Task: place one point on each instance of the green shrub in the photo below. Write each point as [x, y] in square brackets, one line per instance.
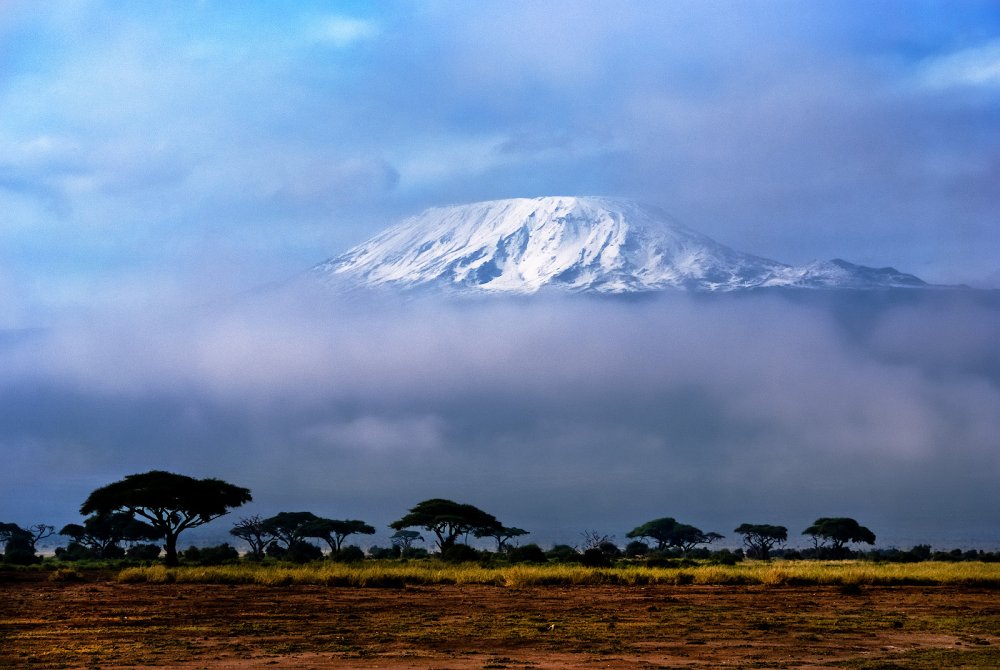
[349, 554]
[75, 551]
[217, 555]
[563, 553]
[595, 558]
[415, 552]
[297, 552]
[635, 548]
[725, 557]
[143, 552]
[529, 553]
[385, 552]
[460, 553]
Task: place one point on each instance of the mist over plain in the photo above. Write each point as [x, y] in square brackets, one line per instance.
[558, 414]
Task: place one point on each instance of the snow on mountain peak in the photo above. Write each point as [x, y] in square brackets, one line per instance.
[598, 244]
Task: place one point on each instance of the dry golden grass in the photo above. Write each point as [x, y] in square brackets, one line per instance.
[397, 574]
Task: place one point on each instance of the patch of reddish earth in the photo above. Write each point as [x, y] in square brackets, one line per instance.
[105, 624]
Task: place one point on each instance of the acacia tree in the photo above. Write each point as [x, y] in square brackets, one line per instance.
[19, 543]
[169, 502]
[502, 534]
[447, 520]
[760, 538]
[404, 539]
[834, 533]
[289, 528]
[335, 531]
[670, 534]
[252, 531]
[101, 533]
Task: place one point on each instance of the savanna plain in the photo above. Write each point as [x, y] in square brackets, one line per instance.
[426, 614]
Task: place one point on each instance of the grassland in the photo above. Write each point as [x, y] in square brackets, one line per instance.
[431, 572]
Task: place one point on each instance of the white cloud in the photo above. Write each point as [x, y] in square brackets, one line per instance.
[343, 31]
[373, 434]
[975, 67]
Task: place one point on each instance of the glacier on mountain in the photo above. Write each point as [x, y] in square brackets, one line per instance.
[577, 244]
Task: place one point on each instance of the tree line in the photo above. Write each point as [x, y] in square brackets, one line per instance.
[128, 518]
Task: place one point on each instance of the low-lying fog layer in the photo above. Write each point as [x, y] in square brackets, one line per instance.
[556, 414]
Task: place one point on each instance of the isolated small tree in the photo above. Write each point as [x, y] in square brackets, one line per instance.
[593, 539]
[101, 534]
[834, 533]
[335, 531]
[252, 531]
[668, 533]
[169, 502]
[596, 543]
[502, 534]
[404, 539]
[760, 538]
[19, 543]
[447, 520]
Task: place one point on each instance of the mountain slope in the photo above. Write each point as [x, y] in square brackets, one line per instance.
[575, 244]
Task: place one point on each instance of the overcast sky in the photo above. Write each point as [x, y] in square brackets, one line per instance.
[146, 148]
[157, 159]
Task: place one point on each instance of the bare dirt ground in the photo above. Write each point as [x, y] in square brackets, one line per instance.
[101, 623]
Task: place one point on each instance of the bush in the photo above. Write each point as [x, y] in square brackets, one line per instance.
[385, 552]
[415, 552]
[726, 557]
[75, 551]
[297, 552]
[217, 555]
[349, 554]
[610, 550]
[65, 575]
[20, 556]
[563, 553]
[143, 552]
[833, 553]
[635, 548]
[20, 548]
[595, 558]
[529, 553]
[668, 559]
[460, 553]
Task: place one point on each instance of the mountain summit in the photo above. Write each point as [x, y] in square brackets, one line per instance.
[580, 244]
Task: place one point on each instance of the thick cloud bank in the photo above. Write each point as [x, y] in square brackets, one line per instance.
[556, 414]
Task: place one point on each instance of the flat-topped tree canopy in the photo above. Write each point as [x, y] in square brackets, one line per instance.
[760, 538]
[837, 532]
[289, 527]
[169, 502]
[671, 534]
[447, 520]
[335, 531]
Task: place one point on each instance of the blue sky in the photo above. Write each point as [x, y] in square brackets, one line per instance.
[158, 159]
[148, 148]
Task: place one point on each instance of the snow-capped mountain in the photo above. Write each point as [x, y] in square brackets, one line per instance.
[580, 244]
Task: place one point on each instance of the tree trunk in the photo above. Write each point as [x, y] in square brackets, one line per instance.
[170, 545]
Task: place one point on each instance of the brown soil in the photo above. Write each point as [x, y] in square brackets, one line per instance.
[101, 623]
